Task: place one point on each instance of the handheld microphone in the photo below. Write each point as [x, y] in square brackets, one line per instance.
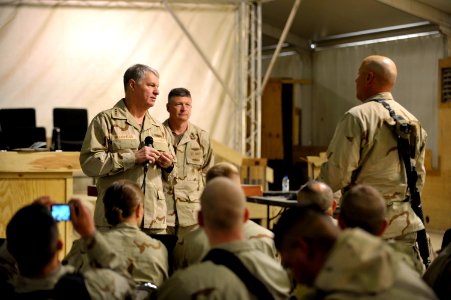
[148, 141]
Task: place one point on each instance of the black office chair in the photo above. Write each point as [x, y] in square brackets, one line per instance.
[72, 124]
[18, 128]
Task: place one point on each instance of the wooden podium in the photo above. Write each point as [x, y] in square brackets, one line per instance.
[25, 176]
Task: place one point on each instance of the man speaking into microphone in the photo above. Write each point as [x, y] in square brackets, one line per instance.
[125, 142]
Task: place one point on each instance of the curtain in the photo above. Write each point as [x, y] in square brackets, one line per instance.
[69, 56]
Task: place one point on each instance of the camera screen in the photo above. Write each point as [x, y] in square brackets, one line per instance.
[61, 212]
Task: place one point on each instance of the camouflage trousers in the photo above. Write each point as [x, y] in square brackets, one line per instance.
[407, 244]
[181, 231]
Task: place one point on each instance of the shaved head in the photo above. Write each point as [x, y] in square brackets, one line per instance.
[304, 236]
[377, 74]
[383, 67]
[317, 192]
[364, 207]
[224, 169]
[223, 204]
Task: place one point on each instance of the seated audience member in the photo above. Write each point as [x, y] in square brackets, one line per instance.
[342, 265]
[222, 216]
[364, 207]
[438, 275]
[33, 241]
[224, 169]
[8, 266]
[320, 193]
[8, 271]
[192, 247]
[147, 258]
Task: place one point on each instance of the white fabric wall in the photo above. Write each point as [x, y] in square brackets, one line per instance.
[335, 70]
[76, 56]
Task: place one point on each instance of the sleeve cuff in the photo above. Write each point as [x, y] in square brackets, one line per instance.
[169, 169]
[128, 160]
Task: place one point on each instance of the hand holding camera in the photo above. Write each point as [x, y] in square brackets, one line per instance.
[73, 211]
[81, 219]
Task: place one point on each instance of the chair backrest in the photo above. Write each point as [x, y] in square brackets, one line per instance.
[18, 128]
[73, 124]
[22, 137]
[17, 118]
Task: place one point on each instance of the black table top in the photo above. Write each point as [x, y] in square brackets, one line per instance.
[272, 200]
[290, 195]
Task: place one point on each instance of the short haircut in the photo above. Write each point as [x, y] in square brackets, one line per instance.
[306, 221]
[383, 67]
[223, 204]
[178, 92]
[222, 169]
[120, 200]
[363, 207]
[137, 73]
[32, 237]
[317, 192]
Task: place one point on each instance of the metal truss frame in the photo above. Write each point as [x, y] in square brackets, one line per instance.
[248, 67]
[248, 74]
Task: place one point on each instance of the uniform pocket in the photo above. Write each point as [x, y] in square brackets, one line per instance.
[194, 154]
[120, 144]
[161, 145]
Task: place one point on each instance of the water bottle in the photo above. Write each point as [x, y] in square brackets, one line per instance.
[285, 184]
[56, 139]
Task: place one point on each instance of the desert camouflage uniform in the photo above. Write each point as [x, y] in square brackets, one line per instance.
[364, 150]
[146, 258]
[207, 276]
[361, 266]
[8, 266]
[262, 238]
[108, 154]
[204, 281]
[193, 246]
[194, 156]
[107, 283]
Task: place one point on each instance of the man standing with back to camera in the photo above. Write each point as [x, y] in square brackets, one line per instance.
[194, 156]
[364, 150]
[115, 147]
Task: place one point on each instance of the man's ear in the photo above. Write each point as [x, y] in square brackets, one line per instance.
[200, 218]
[138, 209]
[59, 244]
[131, 84]
[369, 77]
[167, 107]
[246, 215]
[383, 227]
[334, 205]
